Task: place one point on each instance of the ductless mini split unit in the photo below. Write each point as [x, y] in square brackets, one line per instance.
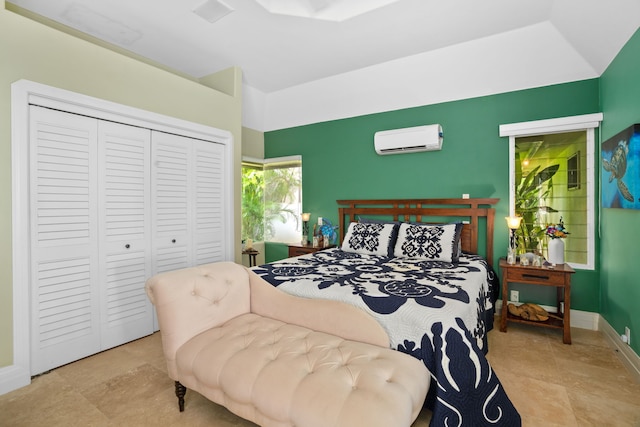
[408, 140]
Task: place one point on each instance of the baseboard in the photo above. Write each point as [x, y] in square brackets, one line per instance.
[579, 319]
[12, 378]
[626, 354]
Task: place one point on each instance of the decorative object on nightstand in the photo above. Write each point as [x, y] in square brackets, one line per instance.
[316, 236]
[513, 222]
[556, 245]
[305, 228]
[328, 232]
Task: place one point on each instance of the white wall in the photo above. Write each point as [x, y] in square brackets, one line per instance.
[472, 69]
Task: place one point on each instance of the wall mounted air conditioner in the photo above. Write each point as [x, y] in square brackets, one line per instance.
[408, 140]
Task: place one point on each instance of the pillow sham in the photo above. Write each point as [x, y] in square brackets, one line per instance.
[370, 238]
[439, 242]
[394, 233]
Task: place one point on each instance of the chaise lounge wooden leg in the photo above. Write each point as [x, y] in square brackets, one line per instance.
[180, 392]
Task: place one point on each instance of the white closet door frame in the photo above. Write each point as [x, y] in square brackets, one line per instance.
[25, 93]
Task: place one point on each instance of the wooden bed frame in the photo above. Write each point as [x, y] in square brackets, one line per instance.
[468, 211]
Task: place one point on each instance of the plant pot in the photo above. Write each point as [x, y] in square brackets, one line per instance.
[556, 251]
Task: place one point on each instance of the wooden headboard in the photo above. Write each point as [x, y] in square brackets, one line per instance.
[469, 211]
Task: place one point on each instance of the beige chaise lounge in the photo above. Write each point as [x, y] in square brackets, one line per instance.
[280, 360]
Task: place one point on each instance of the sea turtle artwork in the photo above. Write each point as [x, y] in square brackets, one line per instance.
[617, 165]
[328, 230]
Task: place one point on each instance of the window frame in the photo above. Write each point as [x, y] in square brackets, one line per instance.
[588, 123]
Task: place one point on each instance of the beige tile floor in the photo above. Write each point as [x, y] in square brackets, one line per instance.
[551, 384]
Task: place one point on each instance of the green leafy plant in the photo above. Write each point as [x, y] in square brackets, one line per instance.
[530, 189]
[264, 192]
[280, 188]
[252, 204]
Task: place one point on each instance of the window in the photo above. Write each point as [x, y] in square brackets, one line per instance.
[272, 199]
[573, 172]
[552, 178]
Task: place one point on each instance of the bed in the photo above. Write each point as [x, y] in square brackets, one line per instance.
[423, 269]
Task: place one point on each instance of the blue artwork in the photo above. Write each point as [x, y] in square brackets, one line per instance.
[328, 230]
[621, 170]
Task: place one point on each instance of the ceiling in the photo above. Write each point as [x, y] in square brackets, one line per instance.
[276, 52]
[402, 54]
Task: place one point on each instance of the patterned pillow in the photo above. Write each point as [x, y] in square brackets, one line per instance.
[369, 238]
[430, 242]
[394, 233]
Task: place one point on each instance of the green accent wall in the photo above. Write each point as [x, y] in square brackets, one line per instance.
[275, 251]
[339, 160]
[620, 251]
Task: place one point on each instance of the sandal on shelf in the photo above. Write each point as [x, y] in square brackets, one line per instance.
[529, 311]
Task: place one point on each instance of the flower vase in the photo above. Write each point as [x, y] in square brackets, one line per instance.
[556, 251]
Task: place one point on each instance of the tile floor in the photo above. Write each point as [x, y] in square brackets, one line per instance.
[551, 384]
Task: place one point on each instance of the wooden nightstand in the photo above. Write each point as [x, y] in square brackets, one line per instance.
[297, 250]
[558, 276]
[253, 254]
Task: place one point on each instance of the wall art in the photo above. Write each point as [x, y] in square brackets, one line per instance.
[621, 169]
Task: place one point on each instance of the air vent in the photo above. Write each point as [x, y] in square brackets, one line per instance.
[212, 10]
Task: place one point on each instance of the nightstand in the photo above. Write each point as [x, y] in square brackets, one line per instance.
[558, 276]
[297, 250]
[252, 256]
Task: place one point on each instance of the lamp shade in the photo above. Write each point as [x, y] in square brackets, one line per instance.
[513, 222]
[306, 216]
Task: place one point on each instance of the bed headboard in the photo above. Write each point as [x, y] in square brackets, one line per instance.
[469, 211]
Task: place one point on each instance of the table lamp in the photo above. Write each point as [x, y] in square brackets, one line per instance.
[513, 222]
[305, 228]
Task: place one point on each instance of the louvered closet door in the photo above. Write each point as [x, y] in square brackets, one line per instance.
[171, 205]
[209, 197]
[64, 243]
[125, 232]
[188, 200]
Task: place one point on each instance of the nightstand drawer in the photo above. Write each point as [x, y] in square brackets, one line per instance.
[537, 276]
[297, 250]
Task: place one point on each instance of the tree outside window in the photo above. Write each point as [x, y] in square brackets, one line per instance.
[272, 201]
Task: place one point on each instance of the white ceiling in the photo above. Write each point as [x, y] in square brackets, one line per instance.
[281, 54]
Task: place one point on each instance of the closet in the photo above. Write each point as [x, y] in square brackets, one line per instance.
[110, 205]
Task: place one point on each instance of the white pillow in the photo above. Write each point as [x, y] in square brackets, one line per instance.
[439, 242]
[369, 238]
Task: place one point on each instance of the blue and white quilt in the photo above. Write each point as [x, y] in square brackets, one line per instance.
[438, 312]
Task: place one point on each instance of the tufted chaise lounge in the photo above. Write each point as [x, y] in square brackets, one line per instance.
[280, 360]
